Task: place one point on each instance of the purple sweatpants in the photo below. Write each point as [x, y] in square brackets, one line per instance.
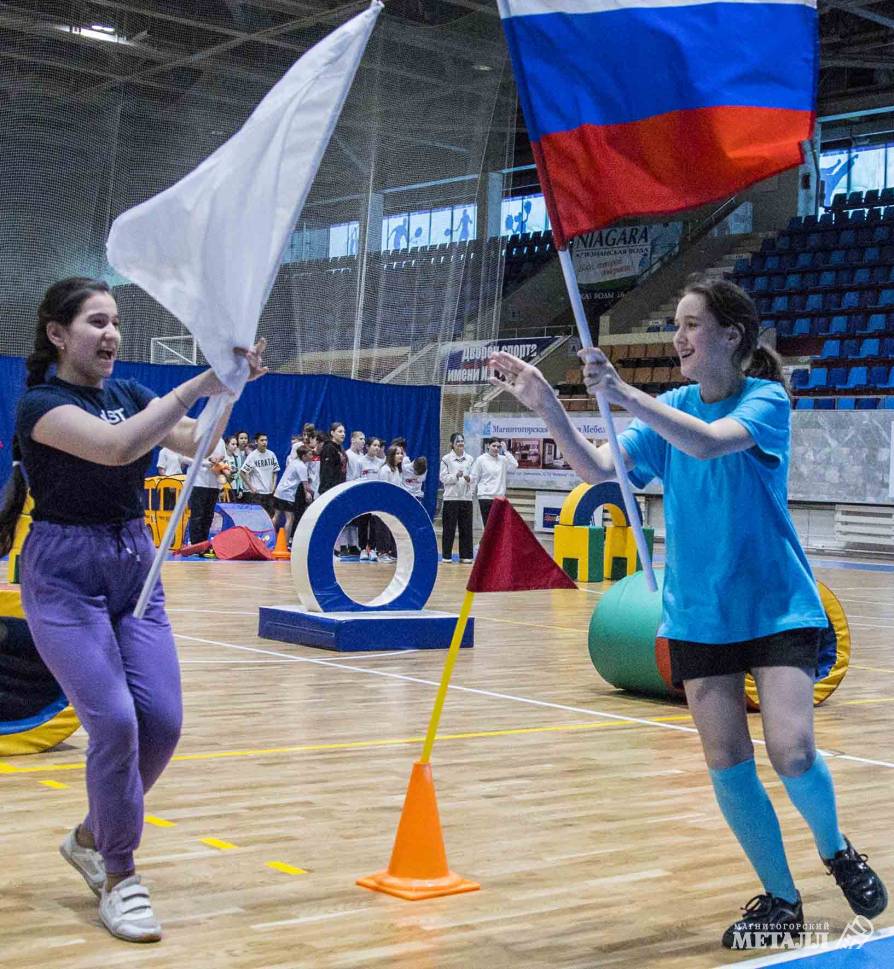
[80, 584]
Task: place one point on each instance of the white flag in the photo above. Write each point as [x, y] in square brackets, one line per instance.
[208, 248]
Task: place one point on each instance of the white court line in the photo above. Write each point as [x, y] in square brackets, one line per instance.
[813, 950]
[260, 926]
[509, 696]
[871, 625]
[215, 612]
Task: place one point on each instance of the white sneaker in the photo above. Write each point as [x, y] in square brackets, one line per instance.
[364, 556]
[386, 558]
[87, 861]
[127, 912]
[374, 556]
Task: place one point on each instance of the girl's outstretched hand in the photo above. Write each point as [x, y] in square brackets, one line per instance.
[600, 376]
[526, 383]
[254, 358]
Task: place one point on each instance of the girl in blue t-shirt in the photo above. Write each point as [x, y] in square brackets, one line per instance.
[86, 442]
[738, 592]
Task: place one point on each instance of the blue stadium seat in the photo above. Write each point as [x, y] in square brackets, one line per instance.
[783, 242]
[861, 276]
[794, 223]
[850, 300]
[800, 377]
[759, 284]
[838, 324]
[858, 217]
[805, 260]
[854, 199]
[827, 278]
[878, 376]
[837, 257]
[810, 221]
[881, 233]
[783, 326]
[871, 197]
[871, 254]
[887, 196]
[824, 219]
[869, 349]
[846, 403]
[888, 381]
[847, 238]
[742, 266]
[874, 215]
[888, 344]
[802, 326]
[819, 377]
[867, 403]
[887, 403]
[771, 261]
[779, 304]
[876, 323]
[886, 298]
[837, 376]
[857, 379]
[815, 301]
[850, 348]
[820, 325]
[839, 200]
[805, 403]
[831, 350]
[825, 403]
[793, 281]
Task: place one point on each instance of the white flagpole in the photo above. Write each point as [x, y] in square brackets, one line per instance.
[586, 341]
[213, 410]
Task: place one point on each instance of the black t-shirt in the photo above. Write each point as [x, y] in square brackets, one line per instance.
[333, 466]
[71, 490]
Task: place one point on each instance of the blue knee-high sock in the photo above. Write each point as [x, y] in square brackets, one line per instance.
[813, 795]
[749, 812]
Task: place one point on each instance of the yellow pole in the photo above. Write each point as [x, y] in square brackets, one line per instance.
[452, 653]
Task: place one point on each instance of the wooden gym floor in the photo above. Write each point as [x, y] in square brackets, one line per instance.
[585, 813]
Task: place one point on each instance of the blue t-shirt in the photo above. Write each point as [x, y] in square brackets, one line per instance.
[66, 488]
[735, 567]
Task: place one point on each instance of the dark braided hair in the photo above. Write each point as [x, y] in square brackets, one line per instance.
[730, 305]
[61, 303]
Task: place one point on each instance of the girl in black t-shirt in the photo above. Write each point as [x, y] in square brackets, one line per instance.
[84, 563]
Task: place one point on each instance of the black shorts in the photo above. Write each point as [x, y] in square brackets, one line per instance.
[280, 504]
[793, 647]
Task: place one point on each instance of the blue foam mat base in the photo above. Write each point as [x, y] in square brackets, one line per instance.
[355, 632]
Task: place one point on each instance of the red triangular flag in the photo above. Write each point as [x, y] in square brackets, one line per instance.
[510, 559]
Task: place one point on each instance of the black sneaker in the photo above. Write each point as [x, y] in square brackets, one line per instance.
[862, 888]
[769, 922]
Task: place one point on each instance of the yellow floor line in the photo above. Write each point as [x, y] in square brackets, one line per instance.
[285, 869]
[55, 785]
[6, 768]
[217, 843]
[877, 699]
[158, 822]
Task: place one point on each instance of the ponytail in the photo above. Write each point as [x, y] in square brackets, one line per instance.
[41, 358]
[13, 503]
[765, 364]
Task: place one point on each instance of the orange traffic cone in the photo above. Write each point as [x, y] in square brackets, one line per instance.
[418, 866]
[282, 546]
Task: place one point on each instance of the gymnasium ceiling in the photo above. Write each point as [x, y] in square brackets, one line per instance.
[162, 50]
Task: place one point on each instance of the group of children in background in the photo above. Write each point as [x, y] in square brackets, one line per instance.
[317, 461]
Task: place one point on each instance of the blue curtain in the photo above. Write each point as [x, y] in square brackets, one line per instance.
[279, 404]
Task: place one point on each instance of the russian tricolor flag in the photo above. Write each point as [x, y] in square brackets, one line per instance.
[641, 107]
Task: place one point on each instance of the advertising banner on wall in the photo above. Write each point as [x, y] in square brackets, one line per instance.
[541, 464]
[467, 362]
[609, 261]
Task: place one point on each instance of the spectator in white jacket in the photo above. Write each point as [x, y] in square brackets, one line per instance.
[489, 475]
[456, 477]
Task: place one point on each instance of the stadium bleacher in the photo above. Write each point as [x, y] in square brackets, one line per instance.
[826, 285]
